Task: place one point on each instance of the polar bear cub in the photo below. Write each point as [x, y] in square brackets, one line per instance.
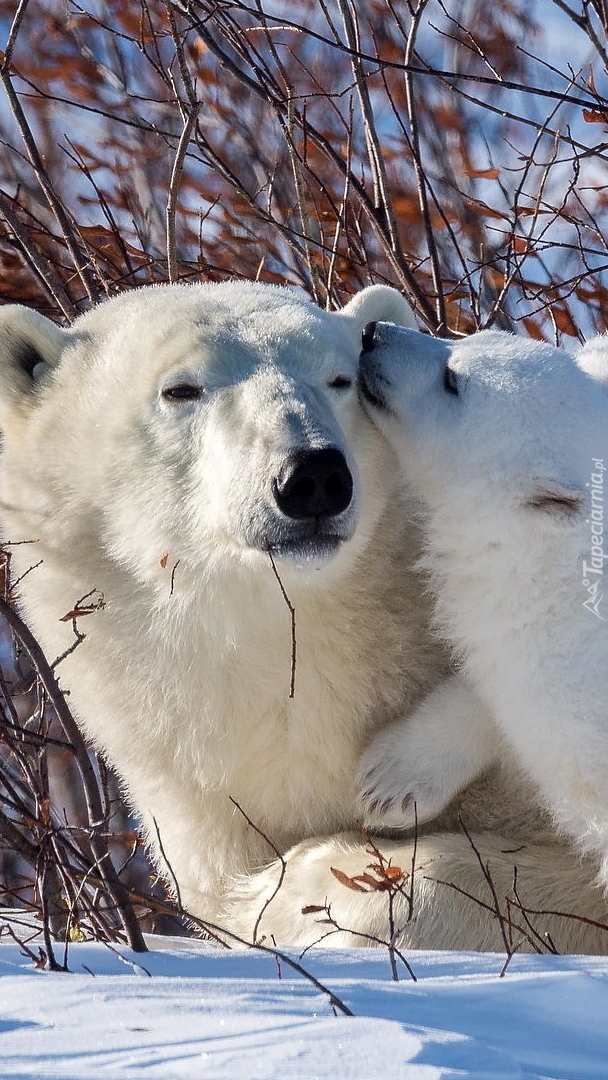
[505, 442]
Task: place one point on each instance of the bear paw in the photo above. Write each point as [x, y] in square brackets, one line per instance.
[395, 790]
[393, 802]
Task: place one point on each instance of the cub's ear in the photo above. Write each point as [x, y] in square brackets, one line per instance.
[379, 303]
[29, 346]
[593, 359]
[557, 499]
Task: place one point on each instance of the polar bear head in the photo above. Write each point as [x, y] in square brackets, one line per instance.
[505, 443]
[491, 429]
[201, 423]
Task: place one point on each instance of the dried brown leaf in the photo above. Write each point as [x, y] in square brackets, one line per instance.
[593, 117]
[483, 174]
[344, 879]
[77, 613]
[394, 873]
[563, 320]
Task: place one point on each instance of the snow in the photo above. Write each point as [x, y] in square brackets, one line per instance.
[197, 1012]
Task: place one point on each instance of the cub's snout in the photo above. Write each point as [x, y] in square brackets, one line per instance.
[373, 382]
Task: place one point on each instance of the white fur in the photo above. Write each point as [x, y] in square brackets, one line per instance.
[166, 509]
[505, 469]
[411, 770]
[183, 678]
[453, 904]
[592, 358]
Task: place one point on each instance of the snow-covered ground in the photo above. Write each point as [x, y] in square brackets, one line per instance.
[198, 1012]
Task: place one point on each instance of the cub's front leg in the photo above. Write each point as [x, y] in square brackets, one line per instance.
[412, 769]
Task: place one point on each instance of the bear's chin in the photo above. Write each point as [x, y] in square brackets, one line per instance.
[311, 553]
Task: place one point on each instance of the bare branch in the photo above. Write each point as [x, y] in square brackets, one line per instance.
[80, 260]
[91, 791]
[174, 186]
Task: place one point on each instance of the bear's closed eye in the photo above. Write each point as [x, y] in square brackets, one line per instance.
[555, 502]
[182, 392]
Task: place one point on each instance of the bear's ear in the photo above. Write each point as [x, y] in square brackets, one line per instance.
[557, 499]
[379, 303]
[30, 345]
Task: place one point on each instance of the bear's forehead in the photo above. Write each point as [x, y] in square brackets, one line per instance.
[224, 325]
[228, 304]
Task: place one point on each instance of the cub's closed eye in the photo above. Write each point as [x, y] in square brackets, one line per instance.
[450, 381]
[341, 382]
[182, 392]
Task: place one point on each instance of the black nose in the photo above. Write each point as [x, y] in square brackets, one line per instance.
[318, 483]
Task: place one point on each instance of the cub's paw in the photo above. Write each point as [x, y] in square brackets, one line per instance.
[396, 792]
[390, 804]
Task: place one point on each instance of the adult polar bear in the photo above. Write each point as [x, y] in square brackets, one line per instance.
[156, 451]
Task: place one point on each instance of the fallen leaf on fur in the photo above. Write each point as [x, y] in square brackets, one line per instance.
[368, 879]
[76, 613]
[163, 561]
[393, 872]
[344, 879]
[313, 909]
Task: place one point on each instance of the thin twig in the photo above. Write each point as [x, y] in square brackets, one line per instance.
[292, 613]
[422, 180]
[382, 198]
[174, 186]
[373, 939]
[278, 855]
[485, 869]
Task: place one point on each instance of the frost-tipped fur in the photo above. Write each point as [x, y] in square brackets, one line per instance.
[506, 444]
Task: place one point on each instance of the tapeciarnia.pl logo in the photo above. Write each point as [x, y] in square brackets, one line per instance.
[593, 571]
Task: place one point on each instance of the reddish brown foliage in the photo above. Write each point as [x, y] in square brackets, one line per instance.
[324, 146]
